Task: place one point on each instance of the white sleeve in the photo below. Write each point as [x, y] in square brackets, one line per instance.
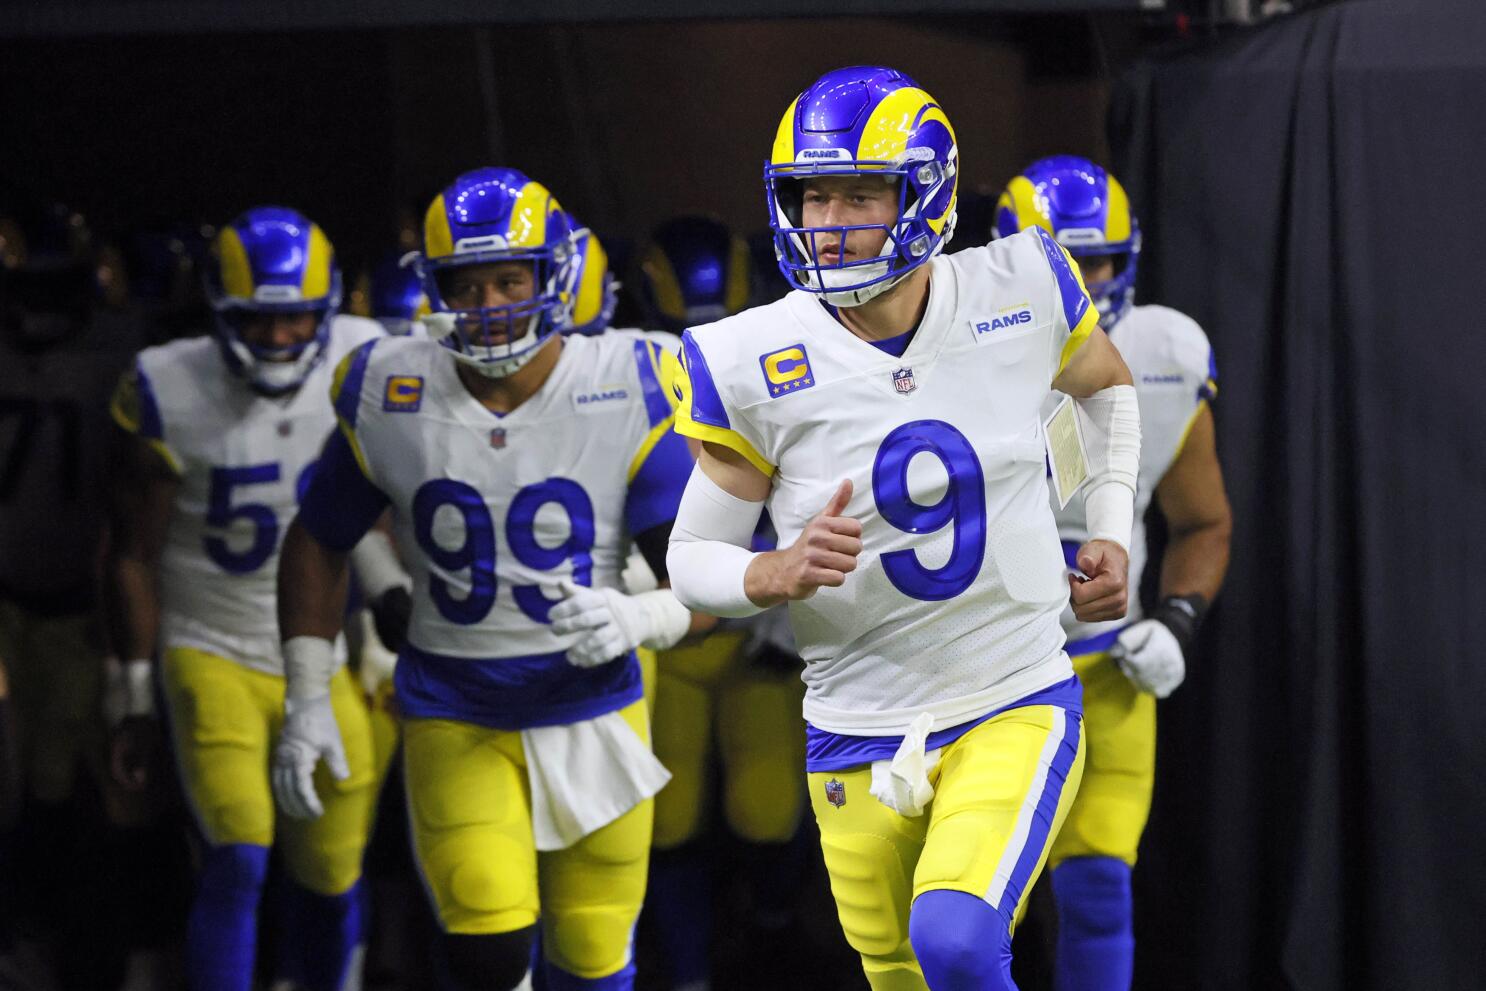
[1111, 425]
[709, 552]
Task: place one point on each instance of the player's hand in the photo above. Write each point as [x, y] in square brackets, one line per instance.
[823, 555]
[391, 614]
[1151, 657]
[1105, 594]
[310, 735]
[133, 747]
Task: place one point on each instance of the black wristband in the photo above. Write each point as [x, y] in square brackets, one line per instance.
[1182, 615]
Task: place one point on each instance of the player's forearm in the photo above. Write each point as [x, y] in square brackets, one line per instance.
[761, 582]
[134, 607]
[1196, 559]
[312, 587]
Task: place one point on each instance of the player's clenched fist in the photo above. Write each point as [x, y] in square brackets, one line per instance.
[1105, 594]
[824, 554]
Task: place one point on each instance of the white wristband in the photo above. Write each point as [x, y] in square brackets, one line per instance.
[377, 567]
[709, 554]
[1109, 513]
[129, 690]
[665, 617]
[309, 664]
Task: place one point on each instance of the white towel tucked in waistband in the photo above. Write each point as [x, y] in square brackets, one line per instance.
[902, 784]
[585, 775]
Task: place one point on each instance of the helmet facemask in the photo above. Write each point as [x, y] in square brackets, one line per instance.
[910, 240]
[272, 371]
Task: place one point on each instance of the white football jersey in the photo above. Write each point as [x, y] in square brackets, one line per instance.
[53, 436]
[953, 608]
[491, 511]
[244, 461]
[1175, 374]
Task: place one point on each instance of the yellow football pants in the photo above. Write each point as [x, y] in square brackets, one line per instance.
[985, 832]
[224, 719]
[469, 801]
[1114, 801]
[759, 734]
[55, 665]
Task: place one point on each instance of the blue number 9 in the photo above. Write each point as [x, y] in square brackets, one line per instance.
[963, 505]
[477, 552]
[521, 537]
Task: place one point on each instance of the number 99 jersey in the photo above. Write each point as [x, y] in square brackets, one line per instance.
[492, 510]
[953, 608]
[244, 461]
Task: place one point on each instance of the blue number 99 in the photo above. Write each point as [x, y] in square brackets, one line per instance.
[963, 505]
[477, 552]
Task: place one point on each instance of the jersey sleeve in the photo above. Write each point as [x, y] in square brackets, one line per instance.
[1076, 316]
[345, 398]
[1196, 357]
[341, 504]
[135, 409]
[662, 463]
[703, 411]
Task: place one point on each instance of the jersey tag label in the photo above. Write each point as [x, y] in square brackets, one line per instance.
[786, 370]
[1067, 462]
[404, 394]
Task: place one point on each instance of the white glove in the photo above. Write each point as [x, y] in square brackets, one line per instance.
[610, 624]
[309, 736]
[1150, 656]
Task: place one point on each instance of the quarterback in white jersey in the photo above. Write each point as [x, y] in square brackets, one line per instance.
[226, 431]
[887, 412]
[1126, 665]
[520, 467]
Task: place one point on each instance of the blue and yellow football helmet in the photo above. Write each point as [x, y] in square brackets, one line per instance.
[496, 215]
[269, 260]
[595, 289]
[1086, 210]
[864, 120]
[694, 271]
[396, 295]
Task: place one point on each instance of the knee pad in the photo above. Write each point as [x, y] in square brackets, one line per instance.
[488, 961]
[1093, 897]
[961, 942]
[873, 918]
[239, 823]
[477, 880]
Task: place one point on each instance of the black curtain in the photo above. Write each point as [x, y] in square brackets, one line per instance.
[1313, 193]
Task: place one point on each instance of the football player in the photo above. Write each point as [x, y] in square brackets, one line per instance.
[225, 433]
[887, 412]
[1126, 665]
[520, 465]
[735, 696]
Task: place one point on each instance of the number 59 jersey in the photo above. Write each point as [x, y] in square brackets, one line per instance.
[243, 461]
[491, 511]
[953, 607]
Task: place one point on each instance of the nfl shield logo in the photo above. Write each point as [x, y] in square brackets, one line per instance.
[835, 793]
[498, 438]
[903, 381]
[286, 427]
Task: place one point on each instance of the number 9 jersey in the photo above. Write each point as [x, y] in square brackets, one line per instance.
[244, 461]
[954, 606]
[491, 511]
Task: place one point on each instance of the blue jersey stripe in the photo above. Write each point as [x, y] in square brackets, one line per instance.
[150, 424]
[1093, 645]
[654, 493]
[1075, 300]
[706, 403]
[348, 399]
[656, 404]
[512, 693]
[825, 751]
[1042, 819]
[341, 504]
